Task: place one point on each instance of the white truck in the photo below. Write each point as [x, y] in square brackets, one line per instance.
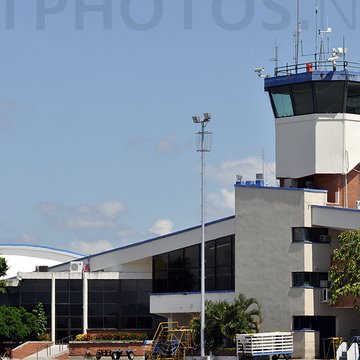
[274, 344]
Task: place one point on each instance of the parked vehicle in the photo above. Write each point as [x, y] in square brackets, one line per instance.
[274, 344]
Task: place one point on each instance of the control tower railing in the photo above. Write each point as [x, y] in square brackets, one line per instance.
[316, 66]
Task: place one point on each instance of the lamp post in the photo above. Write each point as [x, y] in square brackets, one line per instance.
[204, 145]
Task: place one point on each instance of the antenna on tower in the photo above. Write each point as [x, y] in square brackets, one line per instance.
[298, 33]
[323, 34]
[316, 31]
[263, 164]
[276, 54]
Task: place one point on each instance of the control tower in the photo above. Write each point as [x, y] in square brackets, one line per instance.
[317, 122]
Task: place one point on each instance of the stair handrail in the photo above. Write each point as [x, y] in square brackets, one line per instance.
[61, 342]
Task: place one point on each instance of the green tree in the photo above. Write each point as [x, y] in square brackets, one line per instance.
[16, 323]
[345, 269]
[224, 320]
[3, 270]
[40, 325]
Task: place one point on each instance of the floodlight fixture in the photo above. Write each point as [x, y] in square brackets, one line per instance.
[207, 116]
[196, 119]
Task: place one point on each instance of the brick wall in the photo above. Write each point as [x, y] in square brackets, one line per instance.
[79, 348]
[29, 348]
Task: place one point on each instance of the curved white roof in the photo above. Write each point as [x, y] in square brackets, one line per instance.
[25, 258]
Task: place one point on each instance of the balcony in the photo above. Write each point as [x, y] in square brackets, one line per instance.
[335, 218]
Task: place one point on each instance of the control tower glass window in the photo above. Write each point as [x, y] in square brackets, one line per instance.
[329, 96]
[353, 98]
[281, 99]
[303, 98]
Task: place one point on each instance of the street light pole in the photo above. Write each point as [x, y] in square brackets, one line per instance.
[203, 147]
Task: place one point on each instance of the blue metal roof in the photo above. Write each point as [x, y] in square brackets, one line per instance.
[279, 188]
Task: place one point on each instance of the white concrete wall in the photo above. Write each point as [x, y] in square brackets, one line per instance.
[295, 146]
[336, 218]
[266, 258]
[352, 131]
[265, 255]
[184, 303]
[316, 143]
[306, 344]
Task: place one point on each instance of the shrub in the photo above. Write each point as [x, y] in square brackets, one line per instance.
[112, 336]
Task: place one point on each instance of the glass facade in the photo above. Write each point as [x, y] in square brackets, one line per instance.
[179, 270]
[307, 234]
[112, 304]
[310, 279]
[315, 97]
[120, 304]
[69, 307]
[353, 98]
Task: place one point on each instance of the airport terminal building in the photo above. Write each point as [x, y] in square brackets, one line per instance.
[276, 248]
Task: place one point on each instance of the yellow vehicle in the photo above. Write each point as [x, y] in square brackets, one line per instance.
[170, 342]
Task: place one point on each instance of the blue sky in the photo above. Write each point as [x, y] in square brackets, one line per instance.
[97, 144]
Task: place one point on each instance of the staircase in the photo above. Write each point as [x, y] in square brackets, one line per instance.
[29, 348]
[38, 350]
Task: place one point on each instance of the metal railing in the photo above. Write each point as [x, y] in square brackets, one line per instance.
[316, 66]
[63, 342]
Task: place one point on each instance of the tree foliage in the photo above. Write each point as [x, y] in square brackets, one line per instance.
[3, 270]
[345, 269]
[18, 324]
[40, 325]
[224, 320]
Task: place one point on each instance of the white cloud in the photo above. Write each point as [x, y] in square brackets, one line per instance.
[88, 248]
[162, 227]
[83, 223]
[226, 172]
[83, 217]
[111, 209]
[222, 202]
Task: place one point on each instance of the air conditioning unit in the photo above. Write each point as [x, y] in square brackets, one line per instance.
[324, 284]
[76, 266]
[42, 268]
[325, 295]
[325, 238]
[357, 204]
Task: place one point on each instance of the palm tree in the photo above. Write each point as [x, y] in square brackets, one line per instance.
[224, 320]
[244, 317]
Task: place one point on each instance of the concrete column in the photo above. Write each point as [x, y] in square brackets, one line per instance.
[53, 317]
[85, 301]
